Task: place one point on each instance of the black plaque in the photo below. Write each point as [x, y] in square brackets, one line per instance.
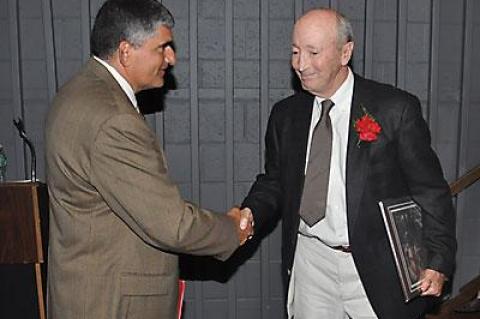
[403, 222]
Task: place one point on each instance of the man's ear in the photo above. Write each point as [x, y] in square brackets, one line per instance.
[347, 51]
[124, 53]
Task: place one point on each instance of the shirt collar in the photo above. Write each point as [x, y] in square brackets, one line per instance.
[343, 94]
[121, 81]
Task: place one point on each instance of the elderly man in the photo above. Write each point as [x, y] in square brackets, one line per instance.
[333, 151]
[117, 220]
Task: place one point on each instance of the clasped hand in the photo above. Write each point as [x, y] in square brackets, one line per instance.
[243, 220]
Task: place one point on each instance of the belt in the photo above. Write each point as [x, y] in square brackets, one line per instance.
[345, 249]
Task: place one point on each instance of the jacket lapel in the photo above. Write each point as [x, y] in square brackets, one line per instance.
[299, 137]
[301, 127]
[357, 155]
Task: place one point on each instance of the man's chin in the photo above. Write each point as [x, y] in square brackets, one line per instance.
[312, 91]
[157, 85]
[306, 87]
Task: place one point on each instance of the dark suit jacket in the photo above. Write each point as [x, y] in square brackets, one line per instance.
[116, 218]
[399, 163]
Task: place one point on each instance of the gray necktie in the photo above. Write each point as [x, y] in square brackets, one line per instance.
[315, 189]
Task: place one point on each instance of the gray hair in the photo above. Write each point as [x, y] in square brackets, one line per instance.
[133, 21]
[344, 29]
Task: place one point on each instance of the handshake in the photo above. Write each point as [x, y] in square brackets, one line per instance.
[243, 220]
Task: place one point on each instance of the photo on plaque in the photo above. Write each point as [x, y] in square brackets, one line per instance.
[403, 223]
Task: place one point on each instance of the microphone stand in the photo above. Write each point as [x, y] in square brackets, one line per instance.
[21, 131]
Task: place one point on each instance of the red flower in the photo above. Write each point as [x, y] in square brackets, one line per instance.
[367, 128]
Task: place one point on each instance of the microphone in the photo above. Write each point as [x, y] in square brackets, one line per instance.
[21, 131]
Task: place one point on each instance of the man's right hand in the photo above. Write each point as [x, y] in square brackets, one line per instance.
[243, 220]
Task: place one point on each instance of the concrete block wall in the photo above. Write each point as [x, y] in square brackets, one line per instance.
[233, 65]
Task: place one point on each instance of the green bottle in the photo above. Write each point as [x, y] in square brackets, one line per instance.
[3, 164]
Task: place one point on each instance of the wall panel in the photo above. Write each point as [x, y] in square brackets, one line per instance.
[232, 66]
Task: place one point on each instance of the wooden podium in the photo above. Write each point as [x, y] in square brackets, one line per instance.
[24, 231]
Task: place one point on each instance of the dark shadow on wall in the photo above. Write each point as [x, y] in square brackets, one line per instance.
[153, 100]
[196, 268]
[294, 81]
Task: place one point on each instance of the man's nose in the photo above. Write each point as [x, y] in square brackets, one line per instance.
[302, 62]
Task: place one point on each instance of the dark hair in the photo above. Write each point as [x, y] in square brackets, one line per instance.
[133, 21]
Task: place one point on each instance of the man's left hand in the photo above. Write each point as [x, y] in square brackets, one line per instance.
[432, 283]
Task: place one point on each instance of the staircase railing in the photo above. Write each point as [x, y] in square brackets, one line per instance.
[466, 180]
[469, 290]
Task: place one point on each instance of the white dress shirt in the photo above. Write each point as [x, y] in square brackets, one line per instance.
[126, 87]
[333, 229]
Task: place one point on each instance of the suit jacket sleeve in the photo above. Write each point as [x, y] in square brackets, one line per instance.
[264, 197]
[129, 171]
[428, 188]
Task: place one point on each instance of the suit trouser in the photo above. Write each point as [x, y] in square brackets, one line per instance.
[325, 284]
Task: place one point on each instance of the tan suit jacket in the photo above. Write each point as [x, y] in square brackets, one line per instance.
[116, 220]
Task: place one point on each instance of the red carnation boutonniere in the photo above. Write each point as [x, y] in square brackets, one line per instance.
[367, 128]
